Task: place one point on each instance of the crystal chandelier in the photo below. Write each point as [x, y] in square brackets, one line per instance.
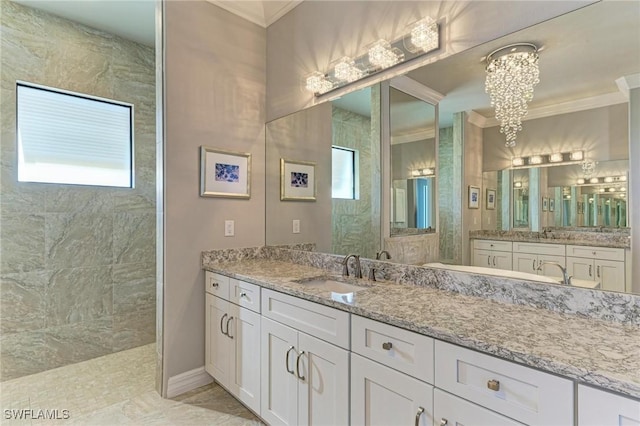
[512, 73]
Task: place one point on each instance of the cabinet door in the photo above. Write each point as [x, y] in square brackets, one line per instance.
[610, 274]
[217, 344]
[450, 410]
[245, 359]
[323, 387]
[502, 260]
[581, 268]
[550, 270]
[279, 385]
[525, 262]
[382, 396]
[482, 258]
[598, 408]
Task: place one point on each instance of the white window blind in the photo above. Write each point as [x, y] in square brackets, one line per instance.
[71, 138]
[343, 173]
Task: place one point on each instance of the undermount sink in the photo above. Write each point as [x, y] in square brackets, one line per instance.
[331, 285]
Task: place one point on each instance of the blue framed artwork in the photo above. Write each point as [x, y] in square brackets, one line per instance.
[224, 173]
[474, 197]
[297, 180]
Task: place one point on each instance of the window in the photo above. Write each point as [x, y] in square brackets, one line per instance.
[344, 176]
[70, 138]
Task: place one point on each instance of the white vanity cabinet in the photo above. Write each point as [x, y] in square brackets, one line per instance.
[391, 375]
[492, 254]
[521, 393]
[602, 264]
[528, 257]
[601, 408]
[305, 379]
[232, 338]
[449, 410]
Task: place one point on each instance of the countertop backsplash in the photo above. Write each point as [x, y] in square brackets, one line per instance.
[614, 239]
[618, 307]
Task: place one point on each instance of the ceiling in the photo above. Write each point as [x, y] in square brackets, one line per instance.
[135, 19]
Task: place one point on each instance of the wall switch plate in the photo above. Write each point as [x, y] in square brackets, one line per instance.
[229, 228]
[296, 226]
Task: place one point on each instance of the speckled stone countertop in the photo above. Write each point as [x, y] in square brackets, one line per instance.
[592, 351]
[578, 238]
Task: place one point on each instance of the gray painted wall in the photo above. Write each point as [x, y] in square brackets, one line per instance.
[316, 33]
[634, 183]
[215, 95]
[472, 175]
[77, 262]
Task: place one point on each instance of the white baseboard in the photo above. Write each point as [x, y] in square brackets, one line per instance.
[187, 381]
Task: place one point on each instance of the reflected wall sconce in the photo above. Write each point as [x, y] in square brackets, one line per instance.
[512, 73]
[517, 184]
[606, 180]
[546, 160]
[424, 172]
[421, 37]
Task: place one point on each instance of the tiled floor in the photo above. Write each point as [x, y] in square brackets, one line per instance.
[116, 389]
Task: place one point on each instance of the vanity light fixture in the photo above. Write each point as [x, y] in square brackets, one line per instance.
[512, 73]
[606, 181]
[601, 190]
[580, 181]
[556, 157]
[622, 178]
[518, 161]
[535, 159]
[422, 37]
[612, 190]
[544, 160]
[594, 180]
[423, 172]
[517, 184]
[577, 155]
[623, 189]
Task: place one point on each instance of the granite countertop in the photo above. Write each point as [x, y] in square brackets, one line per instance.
[592, 351]
[594, 239]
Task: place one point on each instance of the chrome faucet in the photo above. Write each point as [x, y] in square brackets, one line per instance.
[565, 276]
[379, 255]
[345, 266]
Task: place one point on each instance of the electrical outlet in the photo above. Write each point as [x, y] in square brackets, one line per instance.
[229, 228]
[296, 226]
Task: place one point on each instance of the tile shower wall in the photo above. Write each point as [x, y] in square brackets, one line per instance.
[77, 263]
[356, 223]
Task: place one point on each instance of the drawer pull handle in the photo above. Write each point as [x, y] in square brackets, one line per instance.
[214, 284]
[387, 346]
[228, 321]
[494, 385]
[286, 360]
[444, 422]
[590, 268]
[243, 294]
[221, 321]
[598, 269]
[298, 366]
[418, 414]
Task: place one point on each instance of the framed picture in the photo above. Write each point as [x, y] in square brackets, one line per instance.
[552, 204]
[491, 199]
[545, 204]
[474, 197]
[224, 173]
[297, 180]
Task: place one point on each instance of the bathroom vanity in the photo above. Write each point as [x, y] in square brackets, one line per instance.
[410, 350]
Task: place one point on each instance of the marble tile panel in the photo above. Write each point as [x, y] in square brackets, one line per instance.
[134, 287]
[134, 237]
[22, 242]
[78, 199]
[134, 329]
[142, 197]
[78, 240]
[23, 301]
[71, 343]
[79, 295]
[23, 354]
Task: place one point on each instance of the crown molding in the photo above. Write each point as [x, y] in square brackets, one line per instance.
[412, 137]
[477, 119]
[415, 89]
[628, 82]
[262, 13]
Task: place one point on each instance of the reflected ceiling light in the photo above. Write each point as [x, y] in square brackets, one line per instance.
[512, 73]
[518, 161]
[556, 157]
[346, 70]
[577, 155]
[423, 36]
[318, 83]
[580, 181]
[535, 159]
[382, 55]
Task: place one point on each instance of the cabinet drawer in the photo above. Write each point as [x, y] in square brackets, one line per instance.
[451, 410]
[217, 284]
[519, 392]
[539, 248]
[492, 245]
[245, 294]
[601, 253]
[400, 349]
[323, 322]
[597, 407]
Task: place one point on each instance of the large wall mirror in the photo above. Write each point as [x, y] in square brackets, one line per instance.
[579, 105]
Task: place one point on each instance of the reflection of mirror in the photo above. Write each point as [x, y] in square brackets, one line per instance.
[413, 163]
[520, 198]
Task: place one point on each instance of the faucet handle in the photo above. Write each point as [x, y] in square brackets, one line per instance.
[372, 274]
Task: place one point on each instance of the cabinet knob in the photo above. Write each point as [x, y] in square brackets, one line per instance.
[243, 294]
[214, 284]
[444, 422]
[494, 385]
[418, 414]
[387, 346]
